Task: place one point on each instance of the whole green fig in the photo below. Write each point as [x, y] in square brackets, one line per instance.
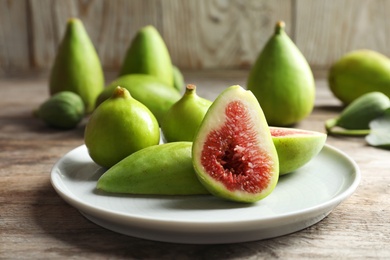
[119, 127]
[282, 81]
[359, 72]
[182, 120]
[77, 66]
[63, 110]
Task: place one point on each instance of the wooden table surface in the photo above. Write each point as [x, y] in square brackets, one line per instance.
[35, 223]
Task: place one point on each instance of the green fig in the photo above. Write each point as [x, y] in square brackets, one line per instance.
[63, 110]
[148, 54]
[119, 127]
[77, 66]
[178, 79]
[359, 72]
[296, 147]
[150, 91]
[355, 118]
[183, 119]
[282, 81]
[233, 153]
[164, 169]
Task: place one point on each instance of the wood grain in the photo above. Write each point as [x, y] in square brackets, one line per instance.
[35, 223]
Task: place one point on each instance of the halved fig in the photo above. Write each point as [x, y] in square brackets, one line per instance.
[296, 147]
[233, 153]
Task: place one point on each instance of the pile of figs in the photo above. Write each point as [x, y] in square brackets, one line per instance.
[155, 135]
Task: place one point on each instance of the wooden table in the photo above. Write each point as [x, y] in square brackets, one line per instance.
[35, 223]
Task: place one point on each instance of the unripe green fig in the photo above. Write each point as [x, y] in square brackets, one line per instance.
[178, 79]
[282, 81]
[164, 169]
[77, 66]
[119, 127]
[359, 72]
[296, 147]
[63, 110]
[233, 153]
[355, 118]
[183, 119]
[149, 90]
[148, 54]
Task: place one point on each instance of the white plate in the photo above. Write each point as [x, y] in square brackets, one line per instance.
[300, 200]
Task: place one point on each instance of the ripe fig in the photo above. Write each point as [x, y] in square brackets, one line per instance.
[63, 110]
[233, 153]
[182, 120]
[164, 169]
[282, 81]
[359, 72]
[119, 127]
[296, 147]
[150, 91]
[148, 54]
[355, 118]
[77, 66]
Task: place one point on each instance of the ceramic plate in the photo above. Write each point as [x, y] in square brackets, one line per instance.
[300, 200]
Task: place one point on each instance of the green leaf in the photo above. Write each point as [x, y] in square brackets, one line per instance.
[380, 131]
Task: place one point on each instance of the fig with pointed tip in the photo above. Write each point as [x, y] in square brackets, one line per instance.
[355, 118]
[157, 96]
[233, 152]
[359, 72]
[148, 54]
[282, 81]
[77, 66]
[164, 169]
[296, 147]
[182, 120]
[119, 127]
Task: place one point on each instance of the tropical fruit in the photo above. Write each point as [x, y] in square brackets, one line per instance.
[63, 110]
[296, 147]
[164, 169]
[148, 54]
[233, 153]
[182, 120]
[355, 118]
[359, 72]
[119, 127]
[77, 66]
[178, 79]
[282, 81]
[147, 89]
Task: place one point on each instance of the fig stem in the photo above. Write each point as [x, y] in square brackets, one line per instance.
[331, 123]
[279, 27]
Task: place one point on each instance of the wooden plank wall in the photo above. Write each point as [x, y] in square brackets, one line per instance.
[200, 34]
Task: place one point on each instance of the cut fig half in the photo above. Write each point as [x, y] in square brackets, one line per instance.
[233, 153]
[296, 147]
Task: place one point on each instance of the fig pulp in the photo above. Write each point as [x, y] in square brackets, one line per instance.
[233, 152]
[119, 127]
[182, 120]
[296, 147]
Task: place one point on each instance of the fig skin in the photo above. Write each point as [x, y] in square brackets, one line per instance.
[256, 142]
[157, 96]
[178, 79]
[63, 110]
[119, 127]
[148, 54]
[183, 119]
[282, 81]
[77, 66]
[164, 169]
[359, 72]
[296, 147]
